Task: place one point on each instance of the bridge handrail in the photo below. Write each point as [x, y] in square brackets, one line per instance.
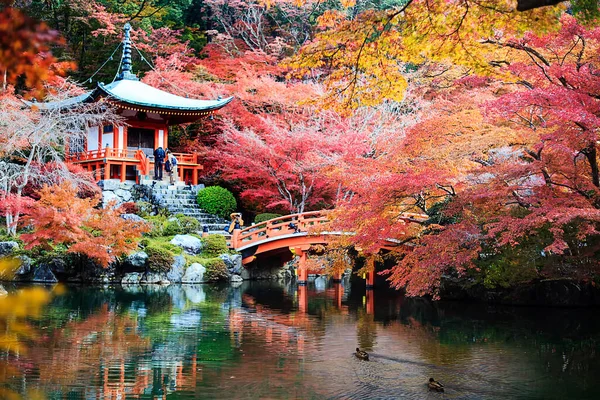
[278, 226]
[303, 221]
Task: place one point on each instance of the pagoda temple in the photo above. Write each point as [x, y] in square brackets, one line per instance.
[125, 151]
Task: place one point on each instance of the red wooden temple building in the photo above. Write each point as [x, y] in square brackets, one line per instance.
[125, 151]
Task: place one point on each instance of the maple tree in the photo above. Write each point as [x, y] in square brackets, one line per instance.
[61, 217]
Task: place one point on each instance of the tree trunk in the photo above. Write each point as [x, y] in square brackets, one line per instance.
[592, 155]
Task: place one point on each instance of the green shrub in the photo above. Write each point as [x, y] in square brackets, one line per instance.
[217, 200]
[214, 245]
[189, 224]
[144, 242]
[144, 209]
[157, 222]
[216, 270]
[172, 228]
[159, 258]
[265, 217]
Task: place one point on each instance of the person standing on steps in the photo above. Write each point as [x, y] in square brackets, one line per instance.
[159, 158]
[171, 167]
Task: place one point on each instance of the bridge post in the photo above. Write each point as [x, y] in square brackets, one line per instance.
[370, 275]
[302, 268]
[337, 277]
[234, 238]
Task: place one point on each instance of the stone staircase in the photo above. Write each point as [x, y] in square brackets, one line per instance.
[181, 199]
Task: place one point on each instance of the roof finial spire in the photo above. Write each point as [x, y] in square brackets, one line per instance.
[126, 62]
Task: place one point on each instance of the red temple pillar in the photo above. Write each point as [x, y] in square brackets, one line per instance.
[302, 299]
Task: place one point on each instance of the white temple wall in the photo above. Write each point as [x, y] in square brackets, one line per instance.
[121, 138]
[92, 138]
[108, 139]
[161, 138]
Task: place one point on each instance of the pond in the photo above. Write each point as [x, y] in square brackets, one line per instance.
[265, 340]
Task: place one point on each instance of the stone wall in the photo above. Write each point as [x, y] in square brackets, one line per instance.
[117, 191]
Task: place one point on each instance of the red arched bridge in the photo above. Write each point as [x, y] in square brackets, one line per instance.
[295, 233]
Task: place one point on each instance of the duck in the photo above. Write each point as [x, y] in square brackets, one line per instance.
[435, 385]
[361, 354]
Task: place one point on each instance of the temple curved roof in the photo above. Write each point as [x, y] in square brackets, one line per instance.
[139, 94]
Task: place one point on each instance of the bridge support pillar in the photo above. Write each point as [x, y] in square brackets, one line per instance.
[337, 277]
[302, 267]
[370, 280]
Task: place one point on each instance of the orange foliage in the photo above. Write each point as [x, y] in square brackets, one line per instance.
[60, 217]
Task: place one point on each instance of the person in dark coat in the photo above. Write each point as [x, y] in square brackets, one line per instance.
[159, 159]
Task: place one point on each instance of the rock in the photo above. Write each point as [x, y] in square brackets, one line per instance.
[190, 244]
[108, 197]
[132, 217]
[25, 266]
[177, 270]
[156, 278]
[58, 265]
[138, 259]
[110, 184]
[233, 262]
[132, 278]
[125, 195]
[3, 291]
[194, 274]
[43, 274]
[7, 248]
[235, 278]
[245, 274]
[321, 283]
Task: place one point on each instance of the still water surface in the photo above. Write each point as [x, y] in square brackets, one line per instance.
[275, 341]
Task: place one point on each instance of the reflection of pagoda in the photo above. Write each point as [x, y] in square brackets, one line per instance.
[125, 152]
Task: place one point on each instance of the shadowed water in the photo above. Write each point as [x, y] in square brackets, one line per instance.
[275, 341]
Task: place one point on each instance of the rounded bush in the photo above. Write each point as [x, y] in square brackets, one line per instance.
[189, 224]
[214, 245]
[159, 259]
[217, 200]
[216, 270]
[265, 217]
[172, 228]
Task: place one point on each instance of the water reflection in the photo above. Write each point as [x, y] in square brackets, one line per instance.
[268, 340]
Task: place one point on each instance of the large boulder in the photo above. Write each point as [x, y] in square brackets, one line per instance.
[110, 184]
[25, 267]
[190, 244]
[132, 278]
[132, 217]
[177, 270]
[7, 248]
[125, 195]
[156, 278]
[194, 274]
[110, 197]
[233, 262]
[43, 274]
[235, 278]
[138, 259]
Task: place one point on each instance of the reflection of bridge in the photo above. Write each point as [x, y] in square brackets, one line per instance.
[297, 233]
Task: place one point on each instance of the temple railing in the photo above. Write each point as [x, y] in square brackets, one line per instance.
[109, 152]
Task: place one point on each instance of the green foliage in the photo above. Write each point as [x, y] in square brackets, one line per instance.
[214, 245]
[157, 222]
[265, 217]
[159, 258]
[172, 228]
[144, 209]
[216, 270]
[189, 224]
[144, 242]
[217, 200]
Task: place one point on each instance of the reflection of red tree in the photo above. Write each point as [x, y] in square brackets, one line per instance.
[95, 349]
